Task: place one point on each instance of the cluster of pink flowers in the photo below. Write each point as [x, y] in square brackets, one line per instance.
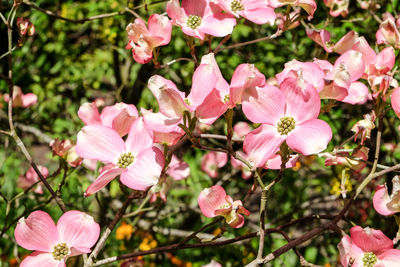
[199, 18]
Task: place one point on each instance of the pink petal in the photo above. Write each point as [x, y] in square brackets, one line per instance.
[218, 25]
[139, 138]
[102, 180]
[263, 104]
[78, 229]
[262, 143]
[275, 162]
[380, 201]
[365, 49]
[159, 122]
[211, 199]
[390, 258]
[245, 76]
[168, 139]
[89, 114]
[37, 232]
[28, 100]
[195, 7]
[213, 160]
[357, 94]
[371, 240]
[145, 170]
[384, 62]
[348, 250]
[160, 25]
[261, 14]
[395, 101]
[100, 143]
[353, 62]
[119, 117]
[321, 37]
[346, 42]
[203, 82]
[169, 98]
[302, 100]
[41, 259]
[211, 109]
[333, 91]
[178, 169]
[310, 137]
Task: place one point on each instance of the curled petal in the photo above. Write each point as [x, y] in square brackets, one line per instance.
[89, 113]
[37, 232]
[380, 201]
[78, 229]
[104, 179]
[204, 81]
[139, 138]
[211, 199]
[369, 239]
[119, 117]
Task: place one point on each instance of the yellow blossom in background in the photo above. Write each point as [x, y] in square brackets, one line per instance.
[217, 231]
[124, 231]
[336, 186]
[148, 243]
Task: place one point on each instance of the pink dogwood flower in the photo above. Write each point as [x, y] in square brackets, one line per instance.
[241, 129]
[31, 177]
[254, 10]
[119, 117]
[213, 202]
[209, 98]
[200, 17]
[66, 150]
[384, 203]
[75, 233]
[323, 38]
[142, 41]
[388, 32]
[364, 127]
[290, 115]
[178, 169]
[367, 248]
[137, 161]
[20, 99]
[25, 27]
[338, 7]
[212, 161]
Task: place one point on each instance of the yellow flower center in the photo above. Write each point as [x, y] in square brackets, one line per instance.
[236, 5]
[60, 251]
[193, 21]
[125, 160]
[286, 125]
[369, 259]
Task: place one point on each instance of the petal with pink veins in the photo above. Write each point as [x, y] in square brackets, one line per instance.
[264, 104]
[380, 201]
[159, 122]
[352, 62]
[139, 138]
[100, 143]
[245, 76]
[37, 232]
[104, 179]
[357, 94]
[145, 170]
[302, 99]
[371, 240]
[390, 258]
[78, 229]
[310, 137]
[119, 117]
[211, 199]
[203, 82]
[262, 143]
[41, 259]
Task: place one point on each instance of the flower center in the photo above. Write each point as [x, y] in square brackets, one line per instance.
[236, 5]
[286, 125]
[226, 99]
[125, 160]
[369, 259]
[193, 21]
[60, 251]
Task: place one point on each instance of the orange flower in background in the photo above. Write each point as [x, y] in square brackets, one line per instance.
[124, 231]
[148, 243]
